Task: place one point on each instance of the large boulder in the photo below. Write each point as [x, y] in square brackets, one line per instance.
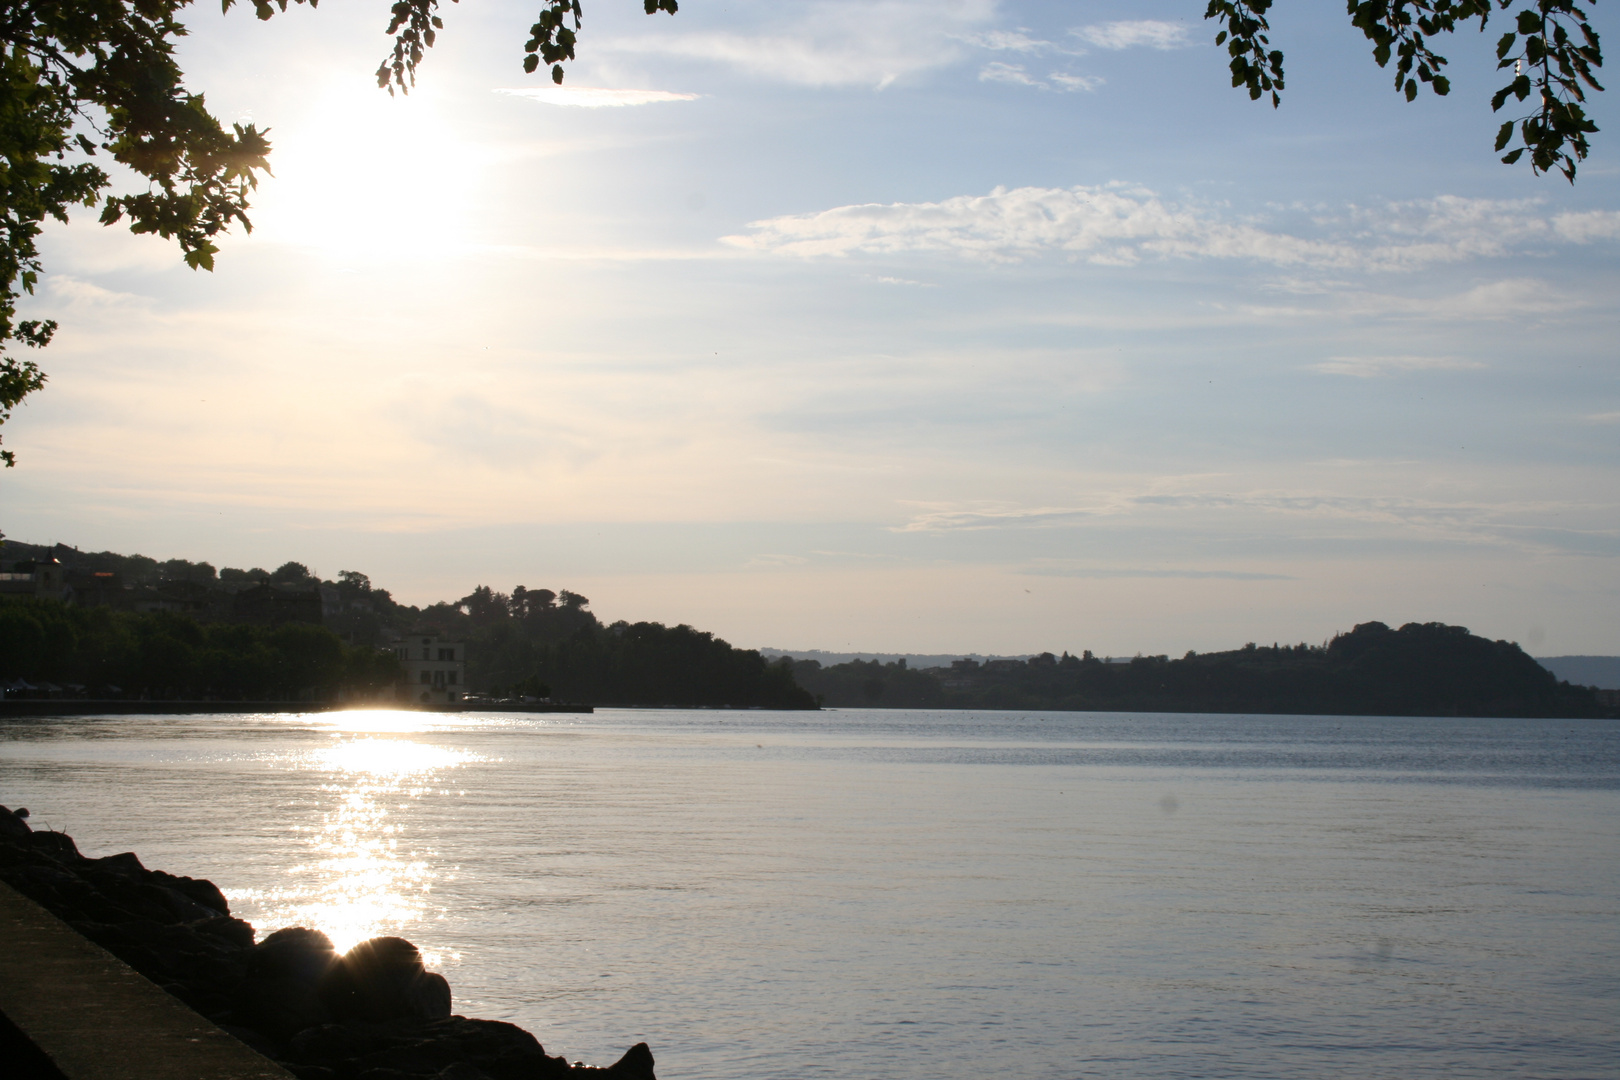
[280, 989]
[12, 825]
[384, 979]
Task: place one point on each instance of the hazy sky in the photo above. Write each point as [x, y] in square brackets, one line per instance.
[890, 324]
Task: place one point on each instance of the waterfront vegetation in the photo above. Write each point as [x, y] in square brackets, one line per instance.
[104, 652]
[529, 641]
[544, 643]
[1421, 669]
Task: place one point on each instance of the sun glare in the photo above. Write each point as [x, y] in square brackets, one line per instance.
[366, 176]
[379, 721]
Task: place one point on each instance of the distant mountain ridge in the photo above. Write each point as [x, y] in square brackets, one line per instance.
[1602, 672]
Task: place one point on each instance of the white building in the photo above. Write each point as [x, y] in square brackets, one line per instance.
[435, 667]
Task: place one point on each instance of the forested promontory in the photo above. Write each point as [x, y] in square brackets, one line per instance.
[1421, 669]
[105, 624]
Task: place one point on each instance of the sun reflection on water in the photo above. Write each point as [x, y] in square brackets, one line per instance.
[366, 875]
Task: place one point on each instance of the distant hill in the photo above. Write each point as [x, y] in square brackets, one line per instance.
[1421, 669]
[1602, 672]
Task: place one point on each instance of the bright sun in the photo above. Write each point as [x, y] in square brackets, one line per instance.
[364, 176]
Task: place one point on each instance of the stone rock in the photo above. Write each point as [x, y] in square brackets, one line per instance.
[383, 979]
[461, 1070]
[280, 989]
[12, 824]
[125, 863]
[198, 890]
[636, 1064]
[231, 931]
[58, 845]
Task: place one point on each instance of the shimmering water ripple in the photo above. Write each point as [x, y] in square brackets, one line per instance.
[907, 894]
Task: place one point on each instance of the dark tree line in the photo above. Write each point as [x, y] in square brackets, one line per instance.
[647, 663]
[1422, 669]
[545, 643]
[101, 651]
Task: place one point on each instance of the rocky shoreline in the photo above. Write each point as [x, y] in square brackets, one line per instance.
[373, 1013]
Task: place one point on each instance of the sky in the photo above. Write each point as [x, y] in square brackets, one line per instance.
[899, 325]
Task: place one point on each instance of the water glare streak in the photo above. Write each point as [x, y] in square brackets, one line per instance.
[364, 876]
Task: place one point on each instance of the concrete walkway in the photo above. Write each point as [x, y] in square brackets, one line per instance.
[96, 1018]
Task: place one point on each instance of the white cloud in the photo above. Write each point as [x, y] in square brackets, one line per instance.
[1588, 226]
[1118, 224]
[1367, 367]
[1509, 298]
[76, 291]
[595, 97]
[1604, 418]
[1007, 41]
[995, 71]
[1088, 83]
[844, 43]
[1124, 34]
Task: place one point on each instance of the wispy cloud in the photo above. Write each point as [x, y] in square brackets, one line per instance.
[960, 519]
[1007, 41]
[839, 43]
[1065, 81]
[1129, 33]
[1604, 418]
[1120, 224]
[1368, 367]
[1099, 572]
[1518, 526]
[1583, 228]
[1016, 74]
[79, 292]
[996, 71]
[595, 97]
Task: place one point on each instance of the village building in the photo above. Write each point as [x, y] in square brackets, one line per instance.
[435, 667]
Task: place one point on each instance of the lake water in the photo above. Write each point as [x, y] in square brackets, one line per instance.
[888, 894]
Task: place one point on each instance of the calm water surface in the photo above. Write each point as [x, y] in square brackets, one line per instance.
[877, 894]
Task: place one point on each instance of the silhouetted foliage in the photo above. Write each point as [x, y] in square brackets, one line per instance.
[1422, 669]
[1550, 46]
[292, 573]
[162, 655]
[647, 663]
[526, 640]
[83, 81]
